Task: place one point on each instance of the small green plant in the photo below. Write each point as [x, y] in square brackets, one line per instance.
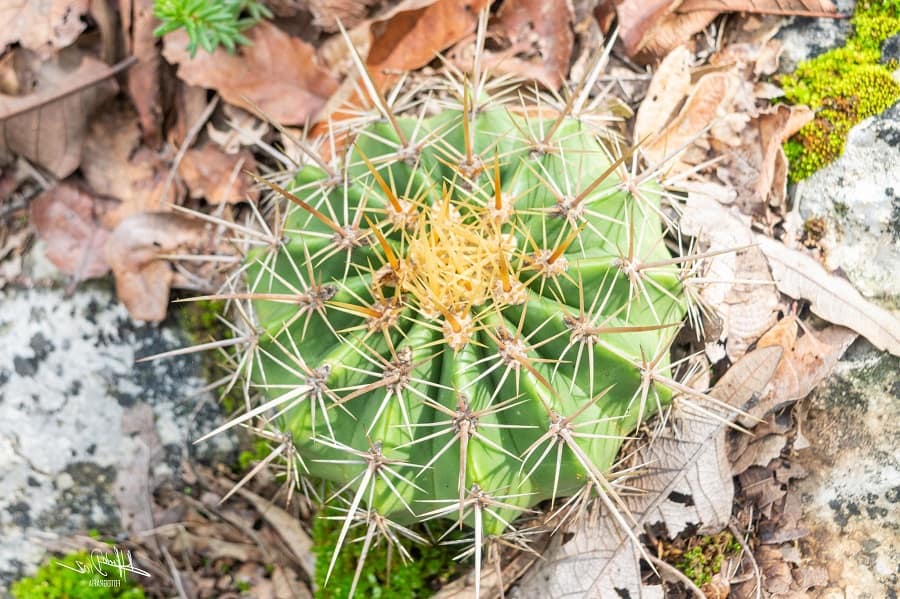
[704, 558]
[843, 86]
[66, 581]
[259, 449]
[387, 574]
[210, 23]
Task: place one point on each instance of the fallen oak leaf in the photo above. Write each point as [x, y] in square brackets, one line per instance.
[93, 73]
[142, 278]
[758, 453]
[69, 220]
[46, 122]
[831, 298]
[672, 31]
[405, 38]
[278, 73]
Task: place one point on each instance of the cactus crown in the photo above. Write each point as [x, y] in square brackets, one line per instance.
[461, 316]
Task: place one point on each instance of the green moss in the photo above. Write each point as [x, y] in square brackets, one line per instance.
[200, 320]
[257, 452]
[843, 86]
[704, 558]
[55, 581]
[430, 569]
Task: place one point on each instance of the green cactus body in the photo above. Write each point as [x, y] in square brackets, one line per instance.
[440, 347]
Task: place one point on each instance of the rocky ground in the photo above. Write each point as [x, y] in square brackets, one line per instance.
[851, 498]
[850, 502]
[86, 432]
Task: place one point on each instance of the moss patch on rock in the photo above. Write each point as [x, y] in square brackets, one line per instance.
[843, 86]
[704, 556]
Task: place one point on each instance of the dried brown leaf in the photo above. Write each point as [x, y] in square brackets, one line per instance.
[117, 165]
[740, 287]
[670, 85]
[708, 98]
[760, 485]
[68, 219]
[756, 167]
[405, 38]
[278, 73]
[653, 28]
[637, 18]
[672, 31]
[142, 279]
[288, 528]
[51, 110]
[41, 25]
[143, 82]
[807, 361]
[759, 453]
[412, 33]
[190, 104]
[776, 573]
[600, 556]
[812, 8]
[540, 40]
[327, 13]
[210, 173]
[832, 298]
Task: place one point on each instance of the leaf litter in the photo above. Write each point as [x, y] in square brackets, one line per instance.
[704, 114]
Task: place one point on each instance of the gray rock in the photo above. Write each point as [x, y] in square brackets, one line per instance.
[858, 196]
[805, 38]
[890, 49]
[85, 433]
[851, 499]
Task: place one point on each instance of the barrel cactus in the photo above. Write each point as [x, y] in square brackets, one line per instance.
[460, 316]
